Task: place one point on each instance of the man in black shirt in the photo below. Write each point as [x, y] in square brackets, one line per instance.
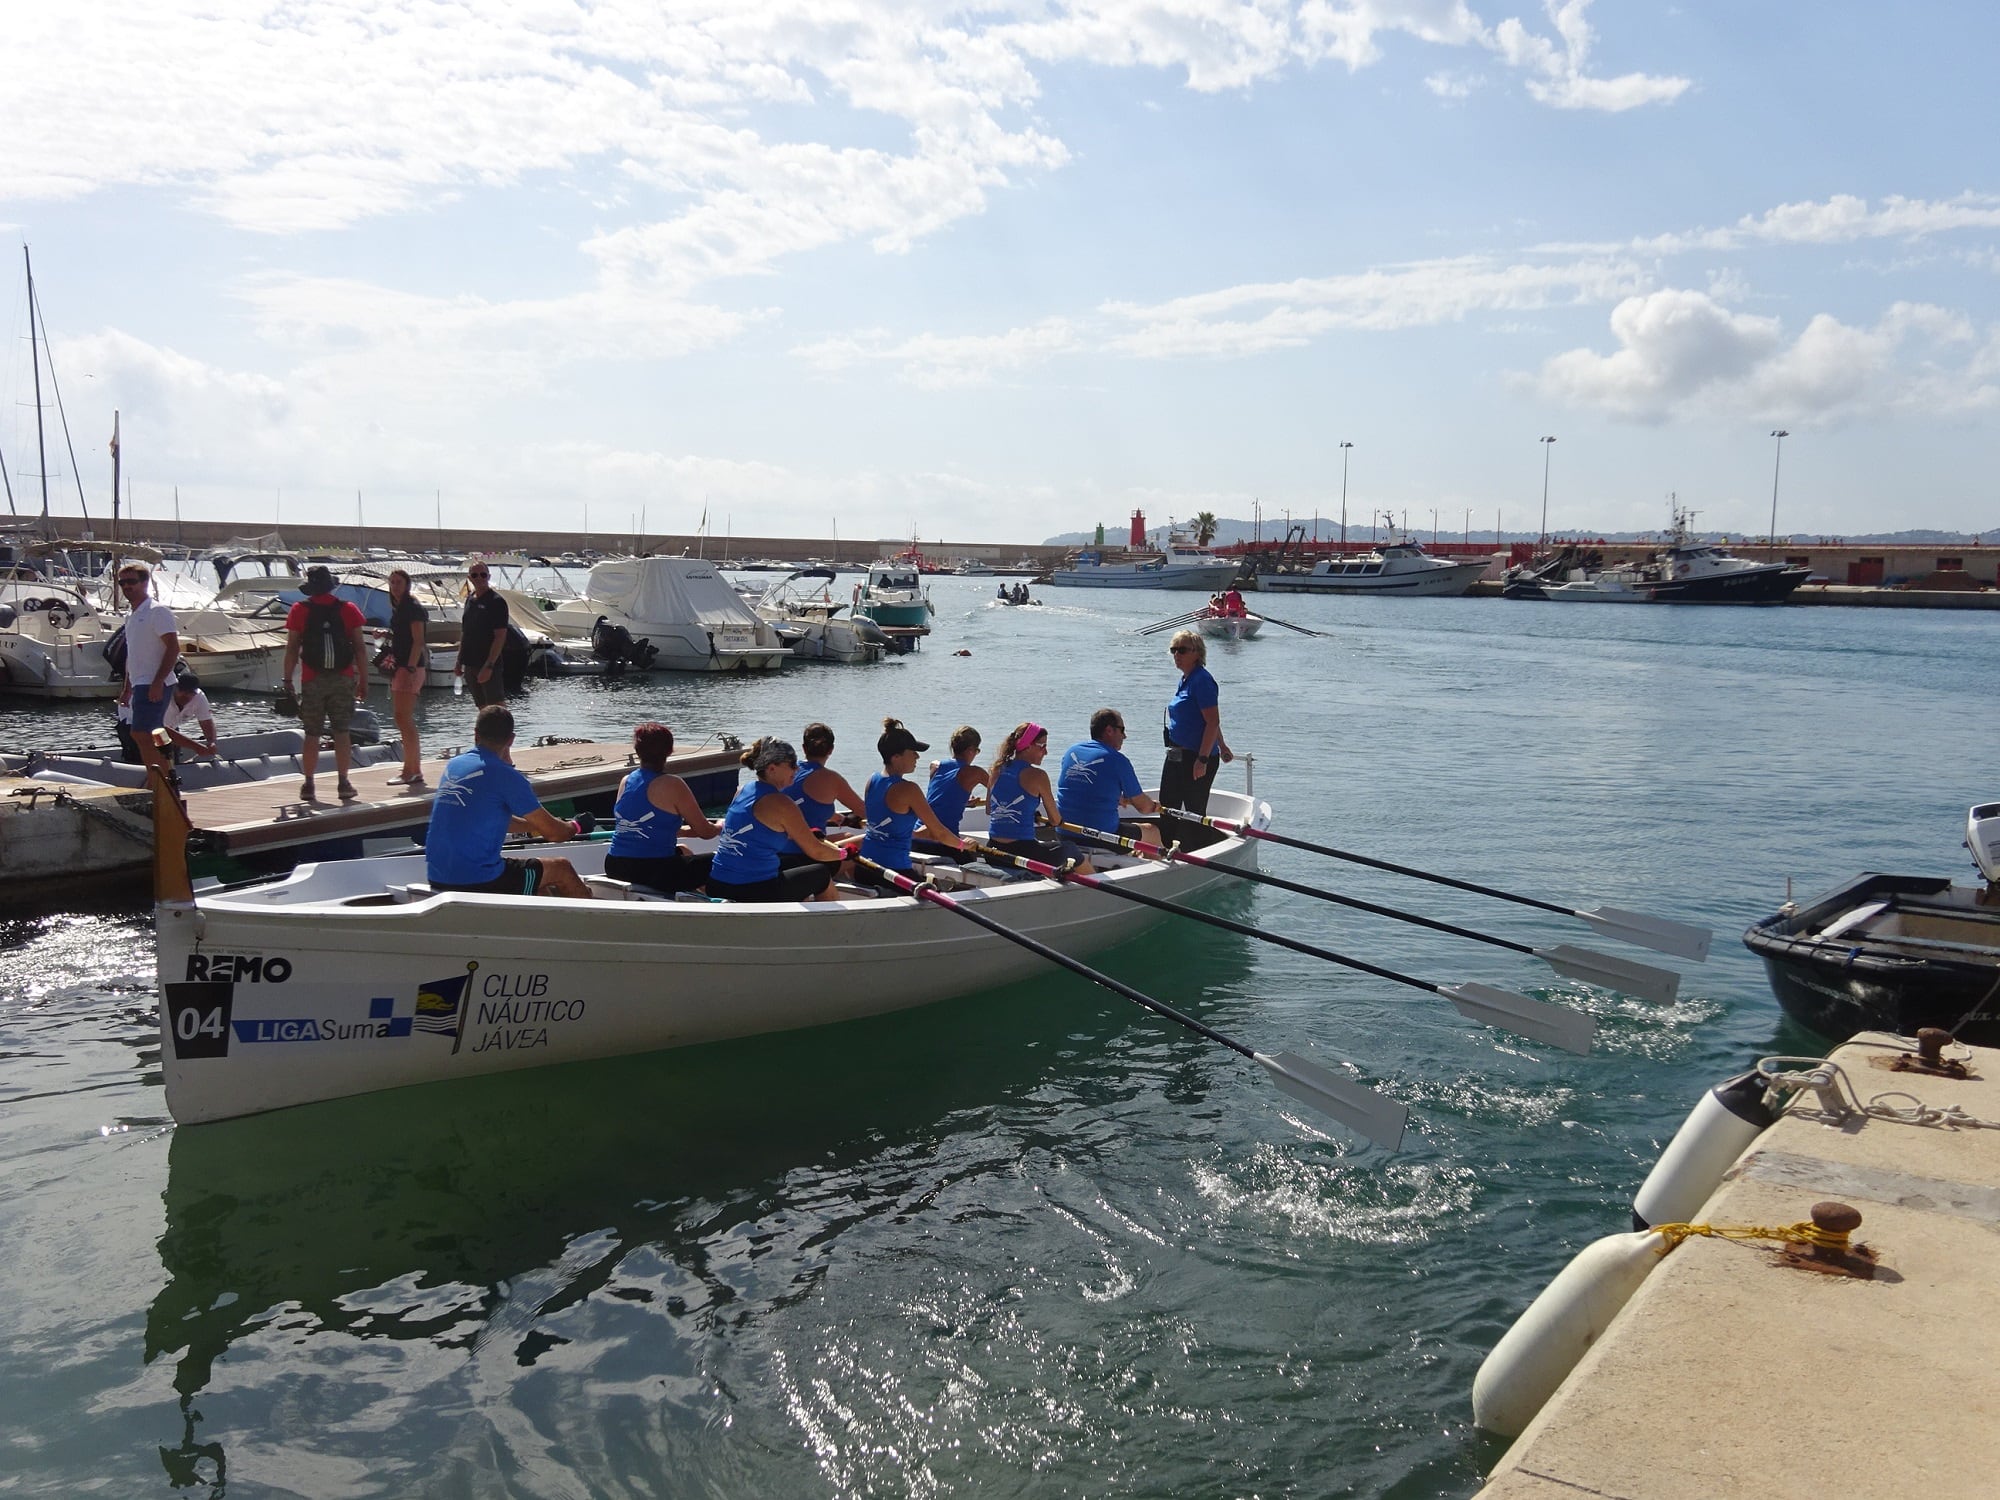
[482, 637]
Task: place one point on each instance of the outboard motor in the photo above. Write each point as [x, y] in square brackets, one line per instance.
[514, 657]
[363, 728]
[1982, 837]
[610, 644]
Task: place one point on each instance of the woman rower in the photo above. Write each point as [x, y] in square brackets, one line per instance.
[1018, 789]
[953, 782]
[763, 823]
[896, 807]
[652, 809]
[816, 788]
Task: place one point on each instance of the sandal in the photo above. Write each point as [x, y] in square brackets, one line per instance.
[346, 791]
[402, 778]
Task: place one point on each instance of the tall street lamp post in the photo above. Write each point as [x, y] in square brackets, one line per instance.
[1343, 495]
[1546, 450]
[1777, 458]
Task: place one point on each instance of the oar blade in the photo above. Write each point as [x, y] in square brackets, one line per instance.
[1534, 1019]
[1662, 935]
[1643, 981]
[1360, 1108]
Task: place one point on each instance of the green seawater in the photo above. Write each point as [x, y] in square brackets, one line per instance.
[1032, 1242]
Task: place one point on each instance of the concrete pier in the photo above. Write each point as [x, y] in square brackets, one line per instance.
[1731, 1373]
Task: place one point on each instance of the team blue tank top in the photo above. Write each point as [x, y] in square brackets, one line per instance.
[946, 797]
[818, 814]
[644, 831]
[748, 851]
[887, 840]
[1010, 811]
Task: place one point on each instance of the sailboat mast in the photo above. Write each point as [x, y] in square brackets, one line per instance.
[35, 359]
[114, 484]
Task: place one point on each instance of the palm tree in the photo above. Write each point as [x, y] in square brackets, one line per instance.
[1204, 527]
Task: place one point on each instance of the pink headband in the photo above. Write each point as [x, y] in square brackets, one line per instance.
[1029, 734]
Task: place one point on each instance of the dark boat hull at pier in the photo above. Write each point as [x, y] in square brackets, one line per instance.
[1888, 953]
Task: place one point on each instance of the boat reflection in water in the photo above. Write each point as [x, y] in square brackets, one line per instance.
[561, 1273]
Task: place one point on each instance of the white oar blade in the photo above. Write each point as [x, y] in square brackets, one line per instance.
[1361, 1109]
[1658, 933]
[1534, 1019]
[1641, 980]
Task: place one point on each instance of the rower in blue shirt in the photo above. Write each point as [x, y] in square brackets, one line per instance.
[896, 808]
[1096, 779]
[480, 799]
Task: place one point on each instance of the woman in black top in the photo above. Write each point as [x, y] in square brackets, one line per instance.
[407, 619]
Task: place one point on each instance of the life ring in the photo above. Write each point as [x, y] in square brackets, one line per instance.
[1535, 1356]
[1720, 1128]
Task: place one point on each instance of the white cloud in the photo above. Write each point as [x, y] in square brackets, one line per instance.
[1683, 354]
[1252, 318]
[936, 361]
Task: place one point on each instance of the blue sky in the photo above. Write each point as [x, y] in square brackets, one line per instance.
[995, 272]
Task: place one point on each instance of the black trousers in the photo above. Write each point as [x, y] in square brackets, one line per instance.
[1181, 788]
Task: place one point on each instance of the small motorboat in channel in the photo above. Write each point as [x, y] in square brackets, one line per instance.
[353, 976]
[1894, 953]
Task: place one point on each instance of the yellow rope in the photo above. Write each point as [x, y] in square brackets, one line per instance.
[1803, 1233]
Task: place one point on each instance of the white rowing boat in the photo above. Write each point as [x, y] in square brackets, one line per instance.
[349, 977]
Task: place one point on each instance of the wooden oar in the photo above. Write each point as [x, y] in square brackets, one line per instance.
[1323, 635]
[1642, 980]
[1374, 1115]
[1661, 934]
[1158, 625]
[1534, 1019]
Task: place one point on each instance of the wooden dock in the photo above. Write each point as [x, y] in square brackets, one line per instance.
[50, 843]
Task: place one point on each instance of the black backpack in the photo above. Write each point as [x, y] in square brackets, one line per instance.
[325, 645]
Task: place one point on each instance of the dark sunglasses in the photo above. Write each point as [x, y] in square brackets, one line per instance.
[1180, 650]
[127, 583]
[477, 573]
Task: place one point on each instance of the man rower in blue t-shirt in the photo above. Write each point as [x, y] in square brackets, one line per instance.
[1096, 777]
[481, 798]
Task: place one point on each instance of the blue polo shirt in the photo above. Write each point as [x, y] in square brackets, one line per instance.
[1184, 710]
[1094, 779]
[476, 797]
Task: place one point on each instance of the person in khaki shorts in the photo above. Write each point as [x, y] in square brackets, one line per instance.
[323, 636]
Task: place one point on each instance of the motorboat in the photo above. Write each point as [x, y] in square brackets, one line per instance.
[1686, 571]
[1894, 952]
[893, 595]
[238, 758]
[354, 976]
[1398, 567]
[680, 607]
[1181, 564]
[802, 609]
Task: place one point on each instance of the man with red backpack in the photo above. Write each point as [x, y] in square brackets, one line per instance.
[323, 635]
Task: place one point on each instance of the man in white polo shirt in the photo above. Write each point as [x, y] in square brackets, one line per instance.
[151, 649]
[191, 710]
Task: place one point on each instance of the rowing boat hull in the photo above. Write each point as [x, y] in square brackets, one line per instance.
[270, 1000]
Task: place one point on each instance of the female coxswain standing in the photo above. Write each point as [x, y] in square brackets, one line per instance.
[1195, 746]
[762, 824]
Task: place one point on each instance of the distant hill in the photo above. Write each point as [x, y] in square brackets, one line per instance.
[1230, 531]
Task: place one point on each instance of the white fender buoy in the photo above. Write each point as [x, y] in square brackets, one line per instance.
[1536, 1355]
[1720, 1128]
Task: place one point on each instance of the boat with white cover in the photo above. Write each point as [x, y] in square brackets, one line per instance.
[1398, 567]
[350, 977]
[680, 606]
